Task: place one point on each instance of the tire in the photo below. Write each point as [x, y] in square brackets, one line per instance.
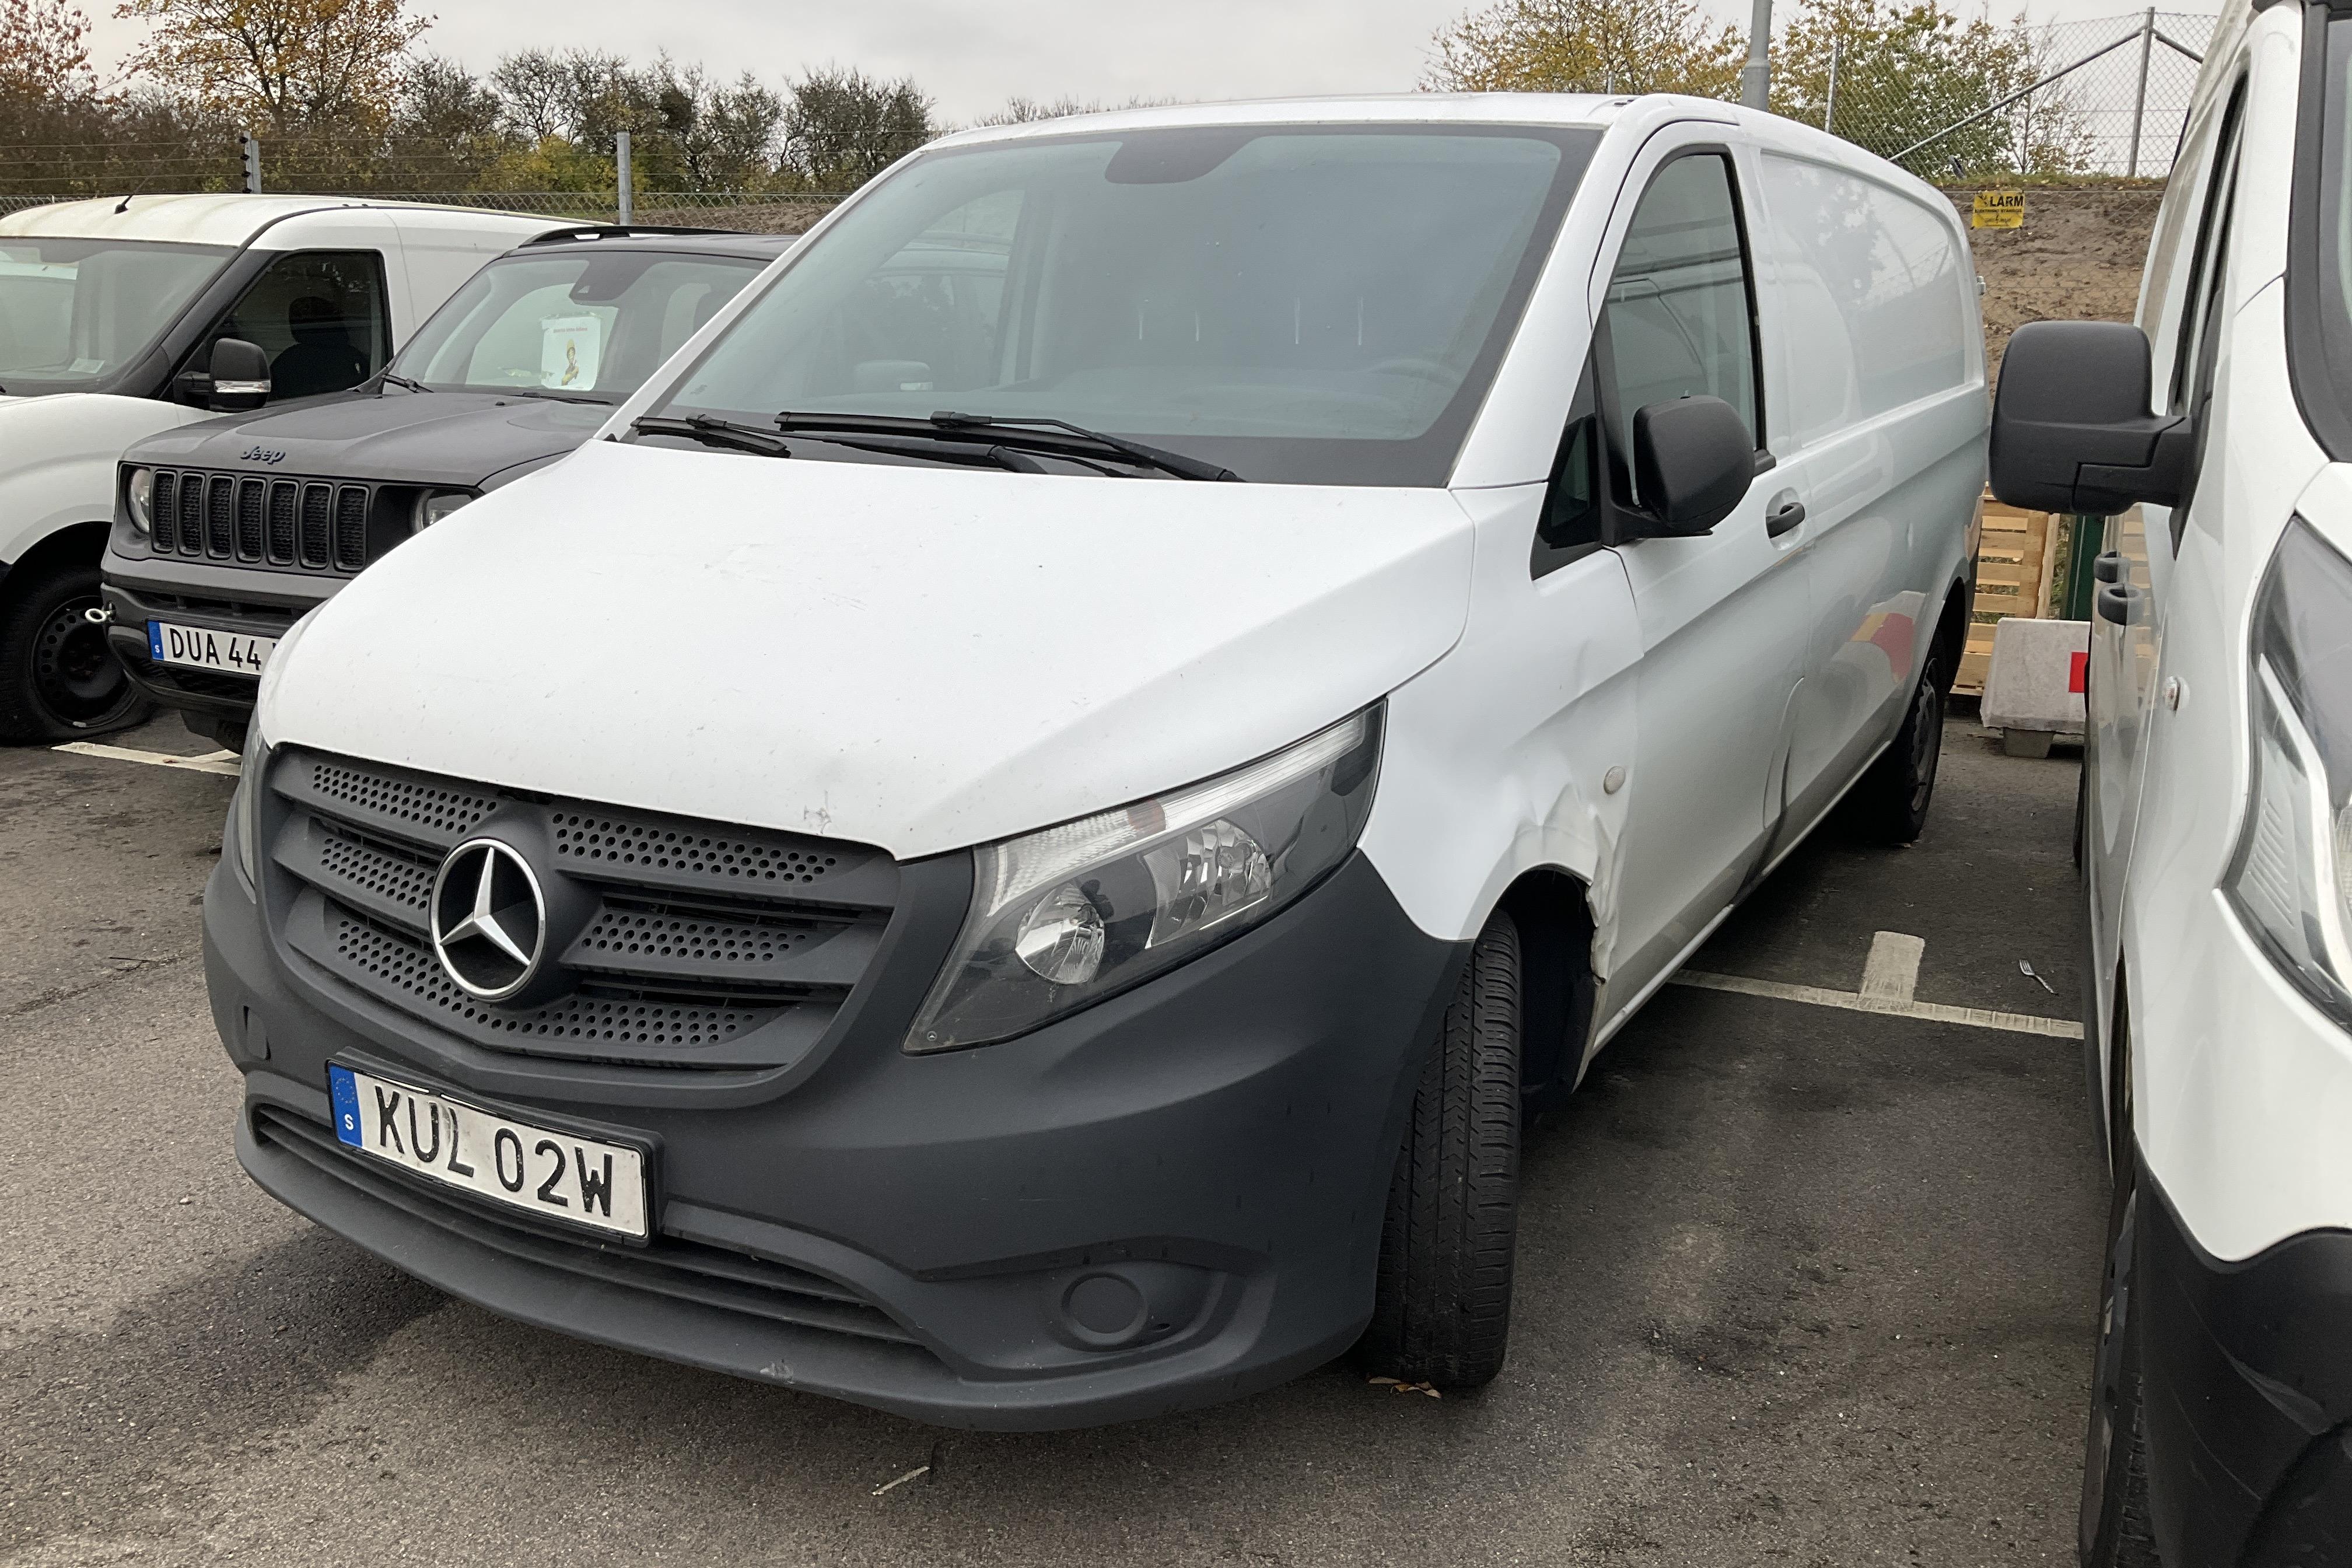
[58, 679]
[2115, 1528]
[2082, 810]
[1442, 1310]
[1892, 800]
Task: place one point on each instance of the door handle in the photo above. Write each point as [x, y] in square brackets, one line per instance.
[2108, 568]
[2115, 603]
[1784, 517]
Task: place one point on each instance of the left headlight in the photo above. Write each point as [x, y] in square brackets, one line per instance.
[139, 489]
[432, 506]
[2290, 878]
[1063, 918]
[245, 808]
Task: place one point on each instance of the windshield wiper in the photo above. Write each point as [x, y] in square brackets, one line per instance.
[552, 395]
[394, 378]
[1055, 437]
[1158, 458]
[712, 431]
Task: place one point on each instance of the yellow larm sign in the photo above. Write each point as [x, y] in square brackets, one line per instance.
[1997, 209]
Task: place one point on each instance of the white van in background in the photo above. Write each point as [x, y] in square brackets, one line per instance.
[2216, 827]
[110, 313]
[1011, 839]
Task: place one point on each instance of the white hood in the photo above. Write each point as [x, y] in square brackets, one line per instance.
[920, 659]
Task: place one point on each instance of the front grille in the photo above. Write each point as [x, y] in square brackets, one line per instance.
[164, 510]
[171, 677]
[675, 943]
[683, 1270]
[304, 525]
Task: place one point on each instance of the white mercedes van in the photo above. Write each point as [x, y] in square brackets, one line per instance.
[2216, 839]
[1011, 839]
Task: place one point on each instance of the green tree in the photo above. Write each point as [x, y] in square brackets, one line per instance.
[842, 127]
[1587, 46]
[1909, 69]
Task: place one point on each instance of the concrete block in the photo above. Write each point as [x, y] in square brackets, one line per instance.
[2033, 688]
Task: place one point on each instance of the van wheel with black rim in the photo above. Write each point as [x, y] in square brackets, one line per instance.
[2116, 1533]
[1891, 801]
[59, 680]
[1443, 1312]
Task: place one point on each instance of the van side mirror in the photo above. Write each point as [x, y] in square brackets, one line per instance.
[240, 374]
[1693, 462]
[2071, 426]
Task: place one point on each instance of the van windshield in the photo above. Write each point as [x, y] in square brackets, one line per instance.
[591, 327]
[73, 311]
[1308, 304]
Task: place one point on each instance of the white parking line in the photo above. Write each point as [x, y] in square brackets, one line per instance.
[223, 763]
[1890, 979]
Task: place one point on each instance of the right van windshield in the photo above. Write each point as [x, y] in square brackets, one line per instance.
[591, 327]
[1304, 304]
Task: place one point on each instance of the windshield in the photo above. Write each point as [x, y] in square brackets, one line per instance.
[1316, 305]
[73, 311]
[591, 326]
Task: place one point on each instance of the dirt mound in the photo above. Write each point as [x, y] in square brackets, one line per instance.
[2078, 256]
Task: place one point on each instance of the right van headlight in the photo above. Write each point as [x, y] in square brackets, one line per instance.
[1063, 918]
[2291, 878]
[244, 807]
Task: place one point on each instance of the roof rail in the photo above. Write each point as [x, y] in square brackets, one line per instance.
[616, 231]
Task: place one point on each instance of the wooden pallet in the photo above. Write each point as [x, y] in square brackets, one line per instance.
[2016, 558]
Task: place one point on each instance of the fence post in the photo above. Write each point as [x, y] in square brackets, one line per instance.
[1756, 76]
[2139, 101]
[623, 187]
[248, 147]
[1829, 109]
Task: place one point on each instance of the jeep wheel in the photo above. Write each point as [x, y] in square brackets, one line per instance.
[59, 680]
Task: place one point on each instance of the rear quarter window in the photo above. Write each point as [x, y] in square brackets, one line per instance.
[1874, 293]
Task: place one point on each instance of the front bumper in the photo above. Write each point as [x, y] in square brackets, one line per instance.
[1172, 1198]
[2247, 1394]
[248, 601]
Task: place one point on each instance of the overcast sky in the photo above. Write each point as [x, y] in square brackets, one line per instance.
[971, 54]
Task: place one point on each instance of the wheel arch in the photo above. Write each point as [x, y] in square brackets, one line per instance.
[83, 543]
[1552, 907]
[1952, 633]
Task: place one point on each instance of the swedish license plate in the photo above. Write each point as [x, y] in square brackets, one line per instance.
[537, 1170]
[204, 648]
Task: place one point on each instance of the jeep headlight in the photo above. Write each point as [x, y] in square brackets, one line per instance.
[2290, 878]
[435, 505]
[139, 489]
[1061, 919]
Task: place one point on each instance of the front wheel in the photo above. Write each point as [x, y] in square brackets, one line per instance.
[1892, 799]
[59, 680]
[1441, 1313]
[2115, 1531]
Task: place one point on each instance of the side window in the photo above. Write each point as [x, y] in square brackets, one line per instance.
[1678, 319]
[320, 316]
[2192, 361]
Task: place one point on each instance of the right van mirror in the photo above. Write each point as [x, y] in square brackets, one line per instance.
[2071, 426]
[1693, 462]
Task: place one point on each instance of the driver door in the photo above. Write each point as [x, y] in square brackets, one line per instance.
[1724, 616]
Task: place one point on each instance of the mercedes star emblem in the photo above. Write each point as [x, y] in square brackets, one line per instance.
[490, 919]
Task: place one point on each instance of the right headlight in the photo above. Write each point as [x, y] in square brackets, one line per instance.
[1063, 918]
[244, 807]
[140, 492]
[2290, 878]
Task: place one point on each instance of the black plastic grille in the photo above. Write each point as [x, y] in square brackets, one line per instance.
[308, 525]
[351, 528]
[252, 502]
[318, 500]
[192, 514]
[669, 943]
[220, 506]
[164, 509]
[285, 501]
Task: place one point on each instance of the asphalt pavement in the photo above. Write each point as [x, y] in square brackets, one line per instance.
[1799, 1284]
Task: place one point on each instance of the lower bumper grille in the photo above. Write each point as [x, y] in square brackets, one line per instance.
[683, 1270]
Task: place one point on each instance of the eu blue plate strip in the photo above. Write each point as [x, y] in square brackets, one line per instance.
[344, 1091]
[155, 640]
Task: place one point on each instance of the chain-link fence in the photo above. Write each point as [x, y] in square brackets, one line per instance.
[2106, 97]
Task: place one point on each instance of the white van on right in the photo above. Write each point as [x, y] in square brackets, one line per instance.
[2216, 843]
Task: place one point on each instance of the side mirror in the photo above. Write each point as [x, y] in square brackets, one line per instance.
[241, 372]
[1693, 462]
[2071, 429]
